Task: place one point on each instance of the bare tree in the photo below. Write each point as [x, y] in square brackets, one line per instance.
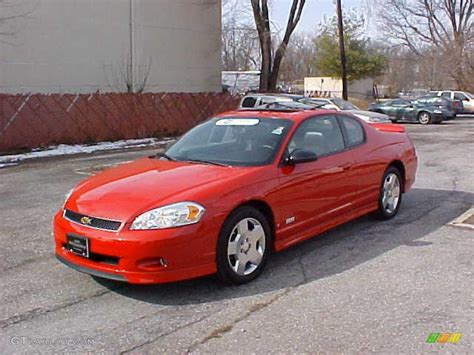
[239, 37]
[299, 60]
[270, 64]
[445, 25]
[119, 74]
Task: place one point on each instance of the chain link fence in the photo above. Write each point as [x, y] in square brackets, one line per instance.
[38, 120]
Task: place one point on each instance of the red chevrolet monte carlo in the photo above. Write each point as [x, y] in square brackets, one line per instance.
[229, 192]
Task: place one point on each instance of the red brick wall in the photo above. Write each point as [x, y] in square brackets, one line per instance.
[37, 120]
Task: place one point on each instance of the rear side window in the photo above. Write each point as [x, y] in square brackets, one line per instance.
[446, 94]
[267, 100]
[249, 102]
[354, 131]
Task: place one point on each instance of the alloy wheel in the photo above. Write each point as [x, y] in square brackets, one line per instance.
[424, 118]
[246, 246]
[391, 193]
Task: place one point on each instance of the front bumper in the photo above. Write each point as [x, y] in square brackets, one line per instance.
[141, 257]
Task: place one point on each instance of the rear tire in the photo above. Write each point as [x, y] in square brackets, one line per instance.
[243, 246]
[424, 118]
[390, 196]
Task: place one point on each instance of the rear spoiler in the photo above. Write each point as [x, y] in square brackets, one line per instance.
[388, 127]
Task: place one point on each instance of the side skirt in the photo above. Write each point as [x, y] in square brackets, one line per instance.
[310, 233]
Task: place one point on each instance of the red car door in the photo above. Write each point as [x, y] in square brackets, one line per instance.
[313, 193]
[366, 169]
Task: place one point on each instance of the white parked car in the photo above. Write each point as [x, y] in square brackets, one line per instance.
[466, 97]
[251, 101]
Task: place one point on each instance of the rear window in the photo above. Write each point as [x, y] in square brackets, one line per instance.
[354, 131]
[249, 102]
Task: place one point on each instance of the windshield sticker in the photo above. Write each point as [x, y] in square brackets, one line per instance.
[238, 122]
[278, 130]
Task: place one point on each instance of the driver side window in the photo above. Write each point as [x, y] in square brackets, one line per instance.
[321, 135]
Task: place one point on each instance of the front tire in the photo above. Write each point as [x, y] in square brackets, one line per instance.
[424, 118]
[243, 246]
[390, 196]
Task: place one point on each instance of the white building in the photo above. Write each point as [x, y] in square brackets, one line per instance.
[83, 46]
[332, 87]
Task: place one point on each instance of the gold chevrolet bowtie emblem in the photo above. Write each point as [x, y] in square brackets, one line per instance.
[86, 220]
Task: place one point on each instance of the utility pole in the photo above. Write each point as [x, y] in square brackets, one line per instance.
[131, 63]
[342, 50]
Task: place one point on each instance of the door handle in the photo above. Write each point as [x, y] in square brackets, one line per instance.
[337, 169]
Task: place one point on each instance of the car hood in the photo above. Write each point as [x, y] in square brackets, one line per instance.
[125, 191]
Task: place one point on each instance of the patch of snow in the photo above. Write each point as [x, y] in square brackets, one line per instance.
[64, 149]
[6, 165]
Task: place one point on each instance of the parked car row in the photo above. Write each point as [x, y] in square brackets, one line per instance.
[434, 107]
[253, 101]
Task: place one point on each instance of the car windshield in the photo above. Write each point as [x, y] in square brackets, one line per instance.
[344, 105]
[468, 94]
[232, 141]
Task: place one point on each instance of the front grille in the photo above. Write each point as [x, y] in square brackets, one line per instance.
[92, 222]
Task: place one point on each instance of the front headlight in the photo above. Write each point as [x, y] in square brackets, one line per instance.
[175, 215]
[437, 111]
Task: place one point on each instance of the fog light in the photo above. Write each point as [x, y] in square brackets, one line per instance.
[152, 263]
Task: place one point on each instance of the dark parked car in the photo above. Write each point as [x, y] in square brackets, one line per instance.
[412, 111]
[451, 104]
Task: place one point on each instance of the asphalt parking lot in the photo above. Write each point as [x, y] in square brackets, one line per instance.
[365, 286]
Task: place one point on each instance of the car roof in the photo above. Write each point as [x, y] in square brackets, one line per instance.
[293, 115]
[318, 98]
[259, 94]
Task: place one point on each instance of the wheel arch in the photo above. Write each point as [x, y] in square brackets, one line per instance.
[398, 164]
[423, 111]
[264, 208]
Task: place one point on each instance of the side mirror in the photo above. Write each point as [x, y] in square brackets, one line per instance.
[301, 156]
